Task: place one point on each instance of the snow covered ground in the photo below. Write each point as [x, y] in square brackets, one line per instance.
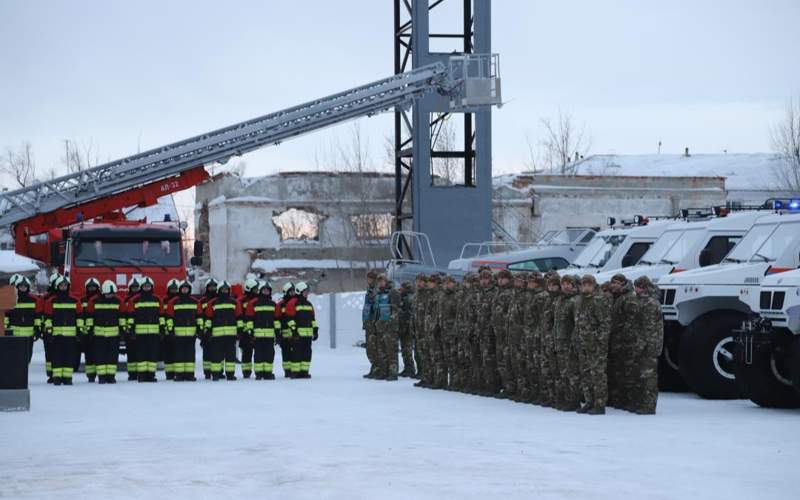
[340, 436]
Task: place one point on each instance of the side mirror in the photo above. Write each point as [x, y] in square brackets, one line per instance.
[705, 258]
[196, 261]
[198, 248]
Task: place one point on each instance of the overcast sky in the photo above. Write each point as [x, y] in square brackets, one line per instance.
[122, 75]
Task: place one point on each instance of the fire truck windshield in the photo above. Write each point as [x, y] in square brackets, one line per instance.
[115, 253]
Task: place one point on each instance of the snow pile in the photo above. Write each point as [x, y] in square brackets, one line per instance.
[155, 213]
[341, 436]
[273, 265]
[11, 262]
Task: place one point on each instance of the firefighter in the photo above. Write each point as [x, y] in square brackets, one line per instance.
[25, 320]
[64, 323]
[303, 326]
[284, 334]
[210, 294]
[261, 325]
[184, 322]
[147, 324]
[46, 337]
[130, 339]
[246, 341]
[167, 341]
[223, 321]
[91, 289]
[105, 320]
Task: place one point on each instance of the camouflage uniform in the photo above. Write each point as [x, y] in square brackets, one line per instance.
[514, 344]
[500, 307]
[566, 357]
[406, 339]
[474, 356]
[490, 382]
[641, 378]
[623, 330]
[368, 323]
[549, 366]
[387, 324]
[532, 315]
[418, 323]
[433, 342]
[592, 326]
[448, 310]
[465, 325]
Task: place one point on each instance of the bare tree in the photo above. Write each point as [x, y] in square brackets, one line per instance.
[76, 159]
[20, 165]
[785, 137]
[445, 171]
[564, 143]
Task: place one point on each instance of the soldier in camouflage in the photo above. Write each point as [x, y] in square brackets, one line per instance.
[641, 378]
[567, 398]
[531, 343]
[474, 363]
[406, 338]
[624, 312]
[465, 326]
[387, 324]
[434, 357]
[418, 323]
[448, 311]
[489, 377]
[514, 345]
[368, 323]
[500, 307]
[548, 368]
[592, 326]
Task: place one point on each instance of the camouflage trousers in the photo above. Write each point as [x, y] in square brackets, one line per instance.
[418, 355]
[463, 371]
[640, 385]
[592, 360]
[490, 378]
[532, 363]
[548, 369]
[568, 379]
[503, 358]
[407, 348]
[475, 377]
[438, 362]
[450, 355]
[614, 370]
[386, 335]
[371, 342]
[516, 361]
[424, 358]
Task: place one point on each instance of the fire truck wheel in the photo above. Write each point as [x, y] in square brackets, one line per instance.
[706, 355]
[794, 363]
[765, 379]
[669, 375]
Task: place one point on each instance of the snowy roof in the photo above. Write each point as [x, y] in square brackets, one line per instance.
[155, 213]
[742, 171]
[11, 262]
[272, 265]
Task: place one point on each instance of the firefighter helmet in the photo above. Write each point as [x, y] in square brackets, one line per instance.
[147, 280]
[22, 280]
[250, 284]
[300, 287]
[264, 284]
[287, 286]
[185, 284]
[53, 278]
[134, 283]
[224, 284]
[173, 283]
[108, 287]
[91, 282]
[14, 279]
[212, 282]
[60, 280]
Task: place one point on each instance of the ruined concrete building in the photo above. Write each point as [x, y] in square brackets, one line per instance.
[329, 227]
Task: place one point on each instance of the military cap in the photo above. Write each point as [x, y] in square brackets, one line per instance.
[371, 274]
[552, 278]
[421, 277]
[643, 282]
[406, 285]
[619, 278]
[588, 278]
[484, 267]
[521, 276]
[449, 278]
[568, 278]
[436, 278]
[486, 273]
[504, 273]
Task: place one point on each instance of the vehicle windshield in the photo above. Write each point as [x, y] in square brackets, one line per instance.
[660, 247]
[585, 257]
[566, 236]
[750, 243]
[687, 241]
[780, 239]
[611, 244]
[111, 253]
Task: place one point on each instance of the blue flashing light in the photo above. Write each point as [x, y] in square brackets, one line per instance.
[794, 204]
[777, 204]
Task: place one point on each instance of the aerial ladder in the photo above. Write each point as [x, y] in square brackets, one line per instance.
[101, 193]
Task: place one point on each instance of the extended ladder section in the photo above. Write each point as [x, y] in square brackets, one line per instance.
[220, 145]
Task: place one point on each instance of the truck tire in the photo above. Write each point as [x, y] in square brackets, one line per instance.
[762, 381]
[794, 364]
[669, 375]
[706, 355]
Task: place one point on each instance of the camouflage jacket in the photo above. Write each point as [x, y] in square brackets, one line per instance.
[432, 310]
[418, 311]
[467, 311]
[532, 315]
[516, 309]
[502, 302]
[564, 317]
[624, 312]
[649, 337]
[448, 310]
[406, 310]
[592, 317]
[547, 322]
[485, 303]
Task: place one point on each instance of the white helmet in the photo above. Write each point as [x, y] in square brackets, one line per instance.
[108, 287]
[22, 280]
[146, 280]
[173, 283]
[91, 282]
[14, 279]
[250, 284]
[300, 287]
[60, 280]
[287, 286]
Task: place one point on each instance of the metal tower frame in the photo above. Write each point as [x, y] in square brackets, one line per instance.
[450, 215]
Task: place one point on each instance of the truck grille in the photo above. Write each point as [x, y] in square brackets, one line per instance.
[667, 297]
[769, 301]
